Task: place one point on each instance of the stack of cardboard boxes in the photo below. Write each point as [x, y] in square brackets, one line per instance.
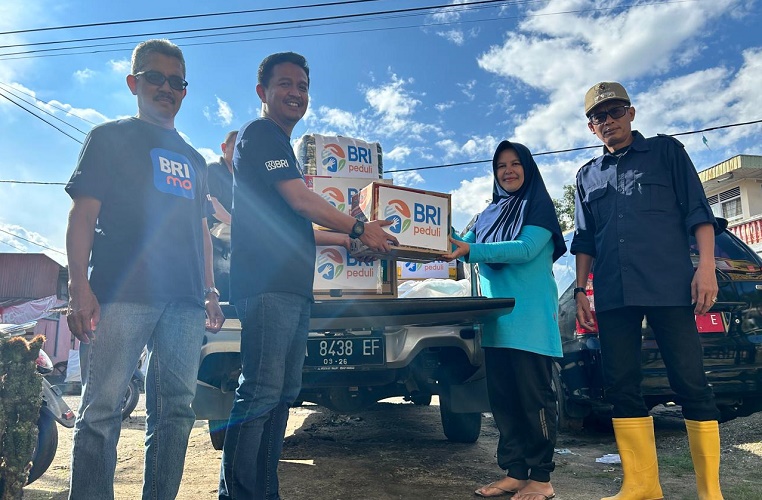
[348, 174]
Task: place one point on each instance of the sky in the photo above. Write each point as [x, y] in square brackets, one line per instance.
[433, 87]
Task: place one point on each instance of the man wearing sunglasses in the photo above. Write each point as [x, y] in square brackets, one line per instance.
[635, 207]
[138, 219]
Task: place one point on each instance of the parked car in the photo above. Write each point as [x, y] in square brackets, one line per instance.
[731, 334]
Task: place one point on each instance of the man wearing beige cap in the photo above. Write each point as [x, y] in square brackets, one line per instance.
[636, 204]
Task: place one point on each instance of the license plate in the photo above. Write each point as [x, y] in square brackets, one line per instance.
[344, 353]
[710, 323]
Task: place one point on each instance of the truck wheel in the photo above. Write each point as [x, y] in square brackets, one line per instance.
[458, 427]
[47, 443]
[217, 430]
[564, 420]
[131, 397]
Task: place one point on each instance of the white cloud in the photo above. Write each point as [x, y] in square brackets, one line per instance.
[408, 179]
[560, 56]
[120, 66]
[83, 75]
[209, 154]
[444, 106]
[36, 242]
[455, 36]
[468, 89]
[222, 116]
[475, 147]
[398, 154]
[470, 198]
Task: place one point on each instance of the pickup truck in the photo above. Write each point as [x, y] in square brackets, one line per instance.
[361, 351]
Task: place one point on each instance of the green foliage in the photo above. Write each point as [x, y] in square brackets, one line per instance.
[20, 401]
[565, 207]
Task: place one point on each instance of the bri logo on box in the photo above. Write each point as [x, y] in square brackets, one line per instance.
[413, 266]
[173, 173]
[335, 197]
[330, 263]
[333, 158]
[426, 219]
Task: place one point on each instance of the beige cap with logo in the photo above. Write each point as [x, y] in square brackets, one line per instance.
[603, 92]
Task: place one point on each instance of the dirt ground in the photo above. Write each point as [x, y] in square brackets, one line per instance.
[396, 450]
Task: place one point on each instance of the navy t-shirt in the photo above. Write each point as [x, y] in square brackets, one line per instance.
[272, 246]
[148, 243]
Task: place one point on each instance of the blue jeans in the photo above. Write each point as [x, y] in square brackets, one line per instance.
[173, 333]
[273, 344]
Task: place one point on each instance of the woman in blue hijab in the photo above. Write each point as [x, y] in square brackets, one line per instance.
[515, 240]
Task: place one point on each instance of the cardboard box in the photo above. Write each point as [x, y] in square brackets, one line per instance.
[338, 274]
[421, 220]
[422, 271]
[337, 156]
[338, 191]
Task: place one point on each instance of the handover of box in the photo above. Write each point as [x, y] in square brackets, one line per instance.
[337, 156]
[420, 220]
[338, 191]
[339, 274]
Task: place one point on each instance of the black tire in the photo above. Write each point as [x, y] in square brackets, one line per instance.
[564, 420]
[217, 430]
[458, 427]
[131, 397]
[47, 443]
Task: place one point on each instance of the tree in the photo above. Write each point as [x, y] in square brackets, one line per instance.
[565, 208]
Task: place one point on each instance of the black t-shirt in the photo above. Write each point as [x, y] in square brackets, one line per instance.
[272, 246]
[148, 242]
[220, 186]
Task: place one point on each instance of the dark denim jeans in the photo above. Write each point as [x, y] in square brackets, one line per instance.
[680, 347]
[273, 344]
[173, 333]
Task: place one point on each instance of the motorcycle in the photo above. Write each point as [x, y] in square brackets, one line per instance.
[54, 409]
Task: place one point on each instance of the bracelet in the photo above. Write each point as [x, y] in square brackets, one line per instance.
[578, 290]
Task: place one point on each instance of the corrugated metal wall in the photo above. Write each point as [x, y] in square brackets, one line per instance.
[28, 276]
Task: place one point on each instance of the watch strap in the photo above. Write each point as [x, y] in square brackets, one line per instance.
[213, 290]
[578, 290]
[358, 229]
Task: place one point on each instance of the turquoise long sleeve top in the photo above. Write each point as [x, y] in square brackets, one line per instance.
[528, 277]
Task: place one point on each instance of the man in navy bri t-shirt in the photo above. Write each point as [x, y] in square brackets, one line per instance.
[138, 218]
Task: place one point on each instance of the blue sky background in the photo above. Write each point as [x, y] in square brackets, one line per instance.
[433, 88]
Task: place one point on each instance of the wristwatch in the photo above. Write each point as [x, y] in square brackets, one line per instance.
[578, 290]
[358, 229]
[213, 290]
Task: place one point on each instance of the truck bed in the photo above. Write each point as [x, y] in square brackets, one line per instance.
[339, 314]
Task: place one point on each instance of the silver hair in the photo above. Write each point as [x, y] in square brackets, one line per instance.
[144, 49]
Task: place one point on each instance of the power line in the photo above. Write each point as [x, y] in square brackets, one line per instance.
[474, 162]
[7, 91]
[450, 7]
[30, 241]
[175, 18]
[558, 151]
[49, 103]
[39, 117]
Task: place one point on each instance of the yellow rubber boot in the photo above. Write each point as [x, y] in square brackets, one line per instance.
[637, 449]
[704, 440]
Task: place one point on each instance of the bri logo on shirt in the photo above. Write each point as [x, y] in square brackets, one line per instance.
[173, 173]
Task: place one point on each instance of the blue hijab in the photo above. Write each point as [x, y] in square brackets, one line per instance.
[531, 205]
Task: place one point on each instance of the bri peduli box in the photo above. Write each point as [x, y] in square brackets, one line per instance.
[420, 220]
[338, 274]
[426, 270]
[338, 191]
[339, 156]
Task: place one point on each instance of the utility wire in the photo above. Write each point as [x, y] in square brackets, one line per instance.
[7, 91]
[450, 7]
[38, 117]
[558, 151]
[189, 16]
[459, 164]
[9, 88]
[30, 241]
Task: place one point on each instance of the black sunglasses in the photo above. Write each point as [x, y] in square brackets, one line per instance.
[615, 112]
[158, 79]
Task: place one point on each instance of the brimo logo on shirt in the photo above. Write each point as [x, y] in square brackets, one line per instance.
[273, 164]
[173, 173]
